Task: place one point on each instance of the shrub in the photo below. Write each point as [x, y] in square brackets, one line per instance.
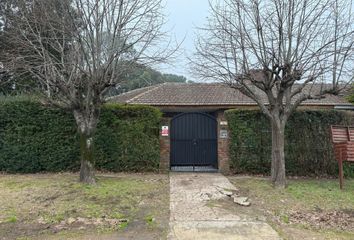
[36, 138]
[127, 139]
[308, 147]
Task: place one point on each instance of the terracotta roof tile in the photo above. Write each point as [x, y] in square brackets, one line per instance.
[199, 94]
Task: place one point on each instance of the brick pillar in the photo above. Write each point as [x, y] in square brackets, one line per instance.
[165, 147]
[223, 144]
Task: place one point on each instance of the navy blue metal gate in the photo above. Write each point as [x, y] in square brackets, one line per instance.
[194, 140]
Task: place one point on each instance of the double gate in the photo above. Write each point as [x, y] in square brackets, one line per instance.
[194, 140]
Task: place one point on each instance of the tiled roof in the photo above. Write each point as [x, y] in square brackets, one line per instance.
[201, 94]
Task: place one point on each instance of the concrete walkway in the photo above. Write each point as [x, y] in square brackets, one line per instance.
[191, 217]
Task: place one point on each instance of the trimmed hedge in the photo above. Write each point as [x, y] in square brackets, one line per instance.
[128, 138]
[36, 138]
[308, 147]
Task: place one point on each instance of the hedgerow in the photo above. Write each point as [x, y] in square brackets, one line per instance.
[308, 147]
[37, 138]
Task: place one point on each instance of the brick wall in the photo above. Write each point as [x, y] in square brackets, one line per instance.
[223, 144]
[165, 147]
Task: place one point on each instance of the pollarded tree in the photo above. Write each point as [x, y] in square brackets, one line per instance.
[78, 49]
[277, 50]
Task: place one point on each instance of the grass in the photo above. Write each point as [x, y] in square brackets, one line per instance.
[53, 204]
[303, 194]
[307, 208]
[11, 219]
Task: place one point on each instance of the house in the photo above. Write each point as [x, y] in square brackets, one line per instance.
[194, 133]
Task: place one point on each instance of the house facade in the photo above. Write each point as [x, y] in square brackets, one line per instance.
[194, 134]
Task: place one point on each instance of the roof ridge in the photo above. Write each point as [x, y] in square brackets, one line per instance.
[153, 87]
[194, 83]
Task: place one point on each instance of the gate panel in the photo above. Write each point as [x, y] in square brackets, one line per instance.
[194, 140]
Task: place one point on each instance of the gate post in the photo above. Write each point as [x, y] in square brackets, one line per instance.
[223, 144]
[165, 146]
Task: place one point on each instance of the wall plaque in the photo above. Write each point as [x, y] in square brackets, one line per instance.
[223, 134]
[223, 123]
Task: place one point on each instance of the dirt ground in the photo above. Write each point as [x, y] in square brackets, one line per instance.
[56, 206]
[136, 206]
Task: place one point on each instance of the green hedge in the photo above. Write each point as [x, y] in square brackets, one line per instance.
[128, 138]
[308, 147]
[36, 138]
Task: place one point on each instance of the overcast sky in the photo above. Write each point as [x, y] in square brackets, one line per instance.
[183, 16]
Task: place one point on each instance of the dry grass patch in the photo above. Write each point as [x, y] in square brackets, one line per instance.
[33, 206]
[306, 209]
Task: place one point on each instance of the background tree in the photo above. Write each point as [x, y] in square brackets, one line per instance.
[278, 53]
[144, 76]
[6, 82]
[78, 49]
[9, 82]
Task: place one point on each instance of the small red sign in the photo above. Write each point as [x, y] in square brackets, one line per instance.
[164, 131]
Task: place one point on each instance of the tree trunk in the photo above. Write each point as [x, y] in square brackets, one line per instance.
[86, 127]
[278, 156]
[87, 173]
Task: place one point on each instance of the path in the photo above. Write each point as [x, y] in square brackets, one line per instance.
[192, 215]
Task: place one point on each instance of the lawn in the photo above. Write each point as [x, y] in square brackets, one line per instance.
[56, 206]
[307, 209]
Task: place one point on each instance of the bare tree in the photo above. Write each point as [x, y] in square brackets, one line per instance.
[342, 73]
[78, 49]
[276, 52]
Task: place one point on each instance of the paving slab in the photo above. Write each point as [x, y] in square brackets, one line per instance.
[191, 217]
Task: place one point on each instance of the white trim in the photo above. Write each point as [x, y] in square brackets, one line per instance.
[344, 107]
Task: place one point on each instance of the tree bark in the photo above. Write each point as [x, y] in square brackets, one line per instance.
[278, 157]
[87, 173]
[86, 128]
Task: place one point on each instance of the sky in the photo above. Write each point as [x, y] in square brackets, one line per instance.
[183, 17]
